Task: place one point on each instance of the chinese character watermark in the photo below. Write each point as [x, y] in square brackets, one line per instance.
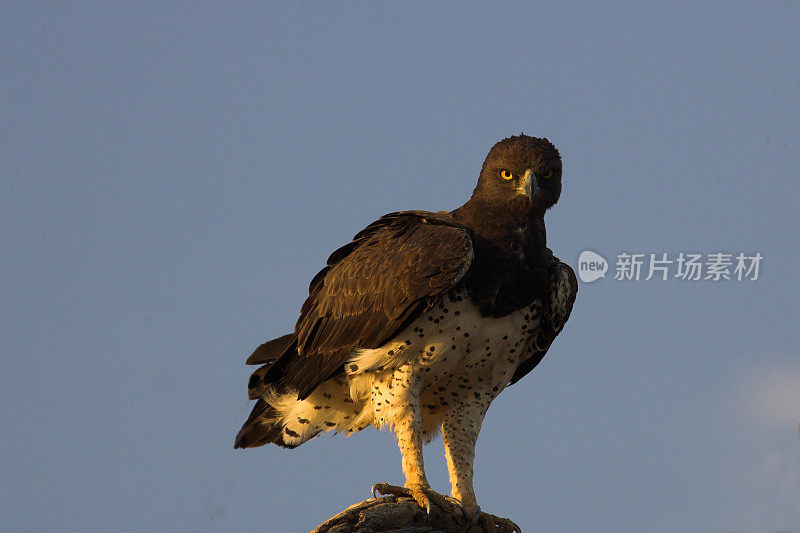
[685, 266]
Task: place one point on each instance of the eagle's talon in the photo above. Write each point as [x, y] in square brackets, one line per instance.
[384, 489]
[374, 490]
[422, 494]
[456, 503]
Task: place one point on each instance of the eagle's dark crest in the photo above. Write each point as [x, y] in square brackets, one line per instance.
[422, 320]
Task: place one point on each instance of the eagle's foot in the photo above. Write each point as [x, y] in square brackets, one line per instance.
[490, 523]
[422, 494]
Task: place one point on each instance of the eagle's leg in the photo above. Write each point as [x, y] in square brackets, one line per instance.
[459, 434]
[395, 398]
[408, 428]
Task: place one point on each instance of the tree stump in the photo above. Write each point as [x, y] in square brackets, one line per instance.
[397, 515]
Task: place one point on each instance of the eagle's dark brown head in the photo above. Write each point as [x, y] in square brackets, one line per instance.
[523, 173]
[520, 179]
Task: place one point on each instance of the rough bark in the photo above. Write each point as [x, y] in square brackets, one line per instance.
[397, 515]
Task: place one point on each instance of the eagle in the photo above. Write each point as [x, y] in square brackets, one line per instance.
[420, 322]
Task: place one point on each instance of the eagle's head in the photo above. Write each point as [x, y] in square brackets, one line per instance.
[522, 175]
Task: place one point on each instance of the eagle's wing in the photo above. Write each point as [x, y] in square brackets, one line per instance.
[372, 288]
[555, 312]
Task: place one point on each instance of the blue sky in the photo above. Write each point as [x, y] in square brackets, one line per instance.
[173, 175]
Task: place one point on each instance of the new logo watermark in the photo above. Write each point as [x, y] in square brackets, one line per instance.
[686, 266]
[591, 266]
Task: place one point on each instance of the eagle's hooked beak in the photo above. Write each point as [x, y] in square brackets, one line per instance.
[527, 185]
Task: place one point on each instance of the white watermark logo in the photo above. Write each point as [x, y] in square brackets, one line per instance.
[591, 266]
[684, 266]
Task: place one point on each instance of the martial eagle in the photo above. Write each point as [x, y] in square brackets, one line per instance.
[421, 321]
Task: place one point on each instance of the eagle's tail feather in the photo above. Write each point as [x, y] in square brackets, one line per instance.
[267, 355]
[282, 418]
[262, 427]
[256, 386]
[270, 351]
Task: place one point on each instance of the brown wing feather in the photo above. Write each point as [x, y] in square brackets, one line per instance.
[371, 289]
[564, 283]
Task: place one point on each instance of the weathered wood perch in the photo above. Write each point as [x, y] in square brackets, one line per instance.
[397, 515]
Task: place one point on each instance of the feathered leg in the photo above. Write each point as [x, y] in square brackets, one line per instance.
[459, 435]
[395, 398]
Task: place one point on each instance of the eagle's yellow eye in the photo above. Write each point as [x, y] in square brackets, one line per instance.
[549, 174]
[506, 175]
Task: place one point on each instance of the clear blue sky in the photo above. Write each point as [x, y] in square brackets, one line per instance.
[174, 174]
